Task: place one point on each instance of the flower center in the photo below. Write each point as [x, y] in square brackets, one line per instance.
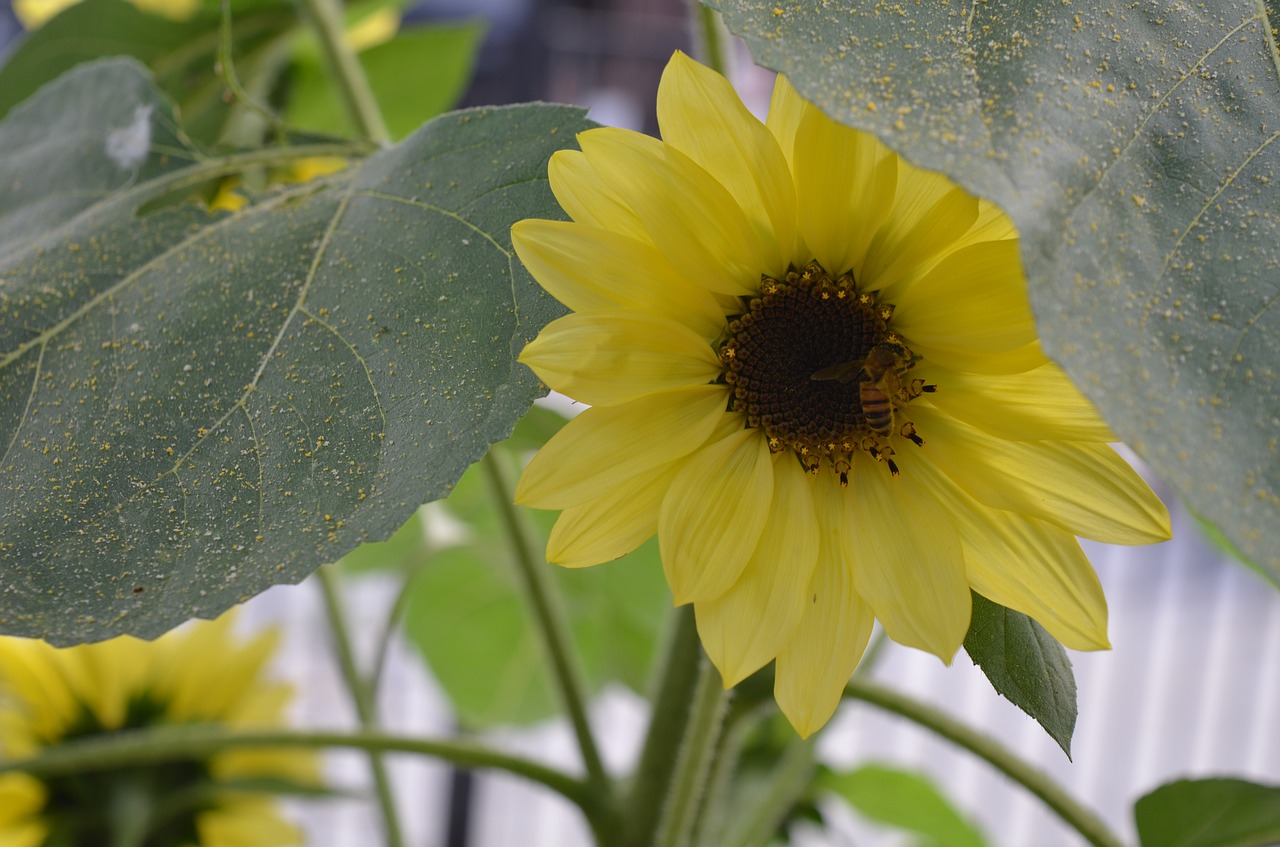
[160, 800]
[815, 365]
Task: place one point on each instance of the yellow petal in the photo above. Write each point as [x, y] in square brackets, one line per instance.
[713, 515]
[587, 199]
[30, 670]
[608, 358]
[590, 269]
[248, 822]
[689, 216]
[294, 765]
[22, 799]
[701, 116]
[1028, 566]
[845, 181]
[930, 214]
[786, 109]
[604, 528]
[910, 562]
[1039, 405]
[816, 663]
[971, 307]
[744, 629]
[1083, 488]
[585, 460]
[109, 676]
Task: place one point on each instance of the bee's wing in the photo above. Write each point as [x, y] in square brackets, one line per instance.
[843, 372]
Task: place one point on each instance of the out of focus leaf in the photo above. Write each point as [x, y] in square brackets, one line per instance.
[469, 617]
[417, 75]
[181, 55]
[904, 800]
[1209, 813]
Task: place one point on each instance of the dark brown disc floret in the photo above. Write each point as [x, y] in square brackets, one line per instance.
[815, 364]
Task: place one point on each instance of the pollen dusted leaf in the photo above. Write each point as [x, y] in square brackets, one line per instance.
[194, 407]
[1137, 149]
[1026, 665]
[1209, 813]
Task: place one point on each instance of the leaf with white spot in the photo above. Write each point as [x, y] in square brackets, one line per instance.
[196, 406]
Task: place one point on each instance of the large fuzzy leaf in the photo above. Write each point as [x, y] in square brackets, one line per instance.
[194, 406]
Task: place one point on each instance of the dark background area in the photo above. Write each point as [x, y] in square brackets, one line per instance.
[604, 54]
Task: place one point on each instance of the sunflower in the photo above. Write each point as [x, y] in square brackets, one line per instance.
[812, 370]
[197, 675]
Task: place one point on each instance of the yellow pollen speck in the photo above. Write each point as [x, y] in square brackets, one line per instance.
[1139, 201]
[777, 11]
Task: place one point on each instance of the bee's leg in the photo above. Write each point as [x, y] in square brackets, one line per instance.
[908, 431]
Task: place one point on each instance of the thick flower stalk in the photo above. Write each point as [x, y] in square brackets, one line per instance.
[200, 674]
[813, 371]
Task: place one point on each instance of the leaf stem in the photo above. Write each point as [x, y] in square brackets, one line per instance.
[1079, 818]
[227, 71]
[697, 752]
[676, 677]
[364, 699]
[149, 746]
[555, 631]
[325, 20]
[710, 36]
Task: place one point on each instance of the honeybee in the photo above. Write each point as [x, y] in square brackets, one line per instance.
[880, 377]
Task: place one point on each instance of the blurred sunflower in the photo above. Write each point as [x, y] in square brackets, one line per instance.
[197, 675]
[813, 371]
[32, 14]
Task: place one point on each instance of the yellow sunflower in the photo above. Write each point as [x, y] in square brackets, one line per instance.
[197, 675]
[813, 371]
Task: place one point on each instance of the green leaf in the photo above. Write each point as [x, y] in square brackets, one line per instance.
[1025, 664]
[1135, 147]
[905, 800]
[469, 617]
[1209, 813]
[181, 54]
[417, 75]
[194, 407]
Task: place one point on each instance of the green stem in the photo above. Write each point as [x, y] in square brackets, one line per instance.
[677, 678]
[325, 19]
[710, 36]
[1079, 818]
[364, 699]
[555, 631]
[403, 596]
[791, 777]
[227, 70]
[697, 751]
[149, 746]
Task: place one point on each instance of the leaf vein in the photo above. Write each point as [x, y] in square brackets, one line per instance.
[1065, 231]
[440, 210]
[35, 383]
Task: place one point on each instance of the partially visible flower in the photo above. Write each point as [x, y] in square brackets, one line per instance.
[33, 13]
[200, 674]
[813, 371]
